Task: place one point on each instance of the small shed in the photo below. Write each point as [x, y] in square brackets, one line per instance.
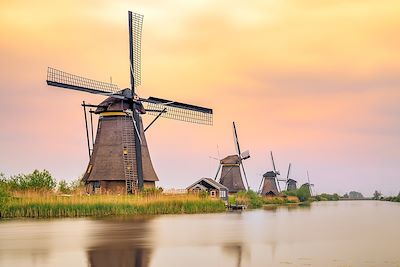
[215, 189]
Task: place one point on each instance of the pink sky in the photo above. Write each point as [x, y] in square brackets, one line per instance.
[317, 82]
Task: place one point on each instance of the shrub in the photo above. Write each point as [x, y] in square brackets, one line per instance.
[249, 198]
[231, 199]
[302, 193]
[355, 195]
[64, 188]
[327, 197]
[377, 195]
[35, 181]
[4, 192]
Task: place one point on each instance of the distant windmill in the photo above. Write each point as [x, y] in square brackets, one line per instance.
[270, 183]
[230, 168]
[291, 184]
[120, 160]
[309, 185]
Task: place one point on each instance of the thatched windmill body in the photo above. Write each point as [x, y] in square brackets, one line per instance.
[270, 183]
[309, 185]
[230, 166]
[120, 160]
[291, 184]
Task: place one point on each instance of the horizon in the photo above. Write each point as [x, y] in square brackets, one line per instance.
[317, 84]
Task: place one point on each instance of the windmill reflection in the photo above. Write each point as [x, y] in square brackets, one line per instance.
[119, 256]
[121, 243]
[235, 250]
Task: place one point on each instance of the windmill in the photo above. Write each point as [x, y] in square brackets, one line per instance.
[270, 183]
[230, 168]
[291, 184]
[120, 160]
[309, 185]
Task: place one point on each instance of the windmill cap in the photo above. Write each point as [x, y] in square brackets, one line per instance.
[269, 174]
[232, 159]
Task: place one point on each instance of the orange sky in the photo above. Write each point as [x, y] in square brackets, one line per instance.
[317, 82]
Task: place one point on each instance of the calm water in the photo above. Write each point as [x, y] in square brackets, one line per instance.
[354, 233]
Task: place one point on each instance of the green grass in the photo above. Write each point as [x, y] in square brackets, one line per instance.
[78, 206]
[253, 201]
[392, 199]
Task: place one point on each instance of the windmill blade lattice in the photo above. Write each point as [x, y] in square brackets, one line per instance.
[136, 25]
[66, 80]
[178, 111]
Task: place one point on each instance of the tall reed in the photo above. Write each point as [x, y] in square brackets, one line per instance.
[48, 206]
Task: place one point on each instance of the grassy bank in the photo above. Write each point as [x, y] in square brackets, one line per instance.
[42, 206]
[253, 200]
[392, 199]
[295, 197]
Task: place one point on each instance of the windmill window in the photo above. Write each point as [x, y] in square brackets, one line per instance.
[96, 184]
[89, 168]
[125, 151]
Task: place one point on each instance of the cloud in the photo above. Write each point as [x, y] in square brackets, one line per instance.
[317, 81]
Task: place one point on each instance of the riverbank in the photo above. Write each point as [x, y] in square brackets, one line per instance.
[39, 206]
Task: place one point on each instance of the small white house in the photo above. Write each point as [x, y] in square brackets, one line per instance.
[215, 189]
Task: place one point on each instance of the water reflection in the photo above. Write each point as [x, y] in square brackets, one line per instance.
[289, 207]
[323, 234]
[234, 251]
[120, 242]
[119, 256]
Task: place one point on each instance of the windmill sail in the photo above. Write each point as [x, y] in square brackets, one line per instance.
[236, 140]
[135, 49]
[273, 163]
[178, 111]
[66, 80]
[288, 171]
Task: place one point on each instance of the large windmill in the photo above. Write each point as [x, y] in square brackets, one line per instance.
[270, 183]
[230, 168]
[120, 160]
